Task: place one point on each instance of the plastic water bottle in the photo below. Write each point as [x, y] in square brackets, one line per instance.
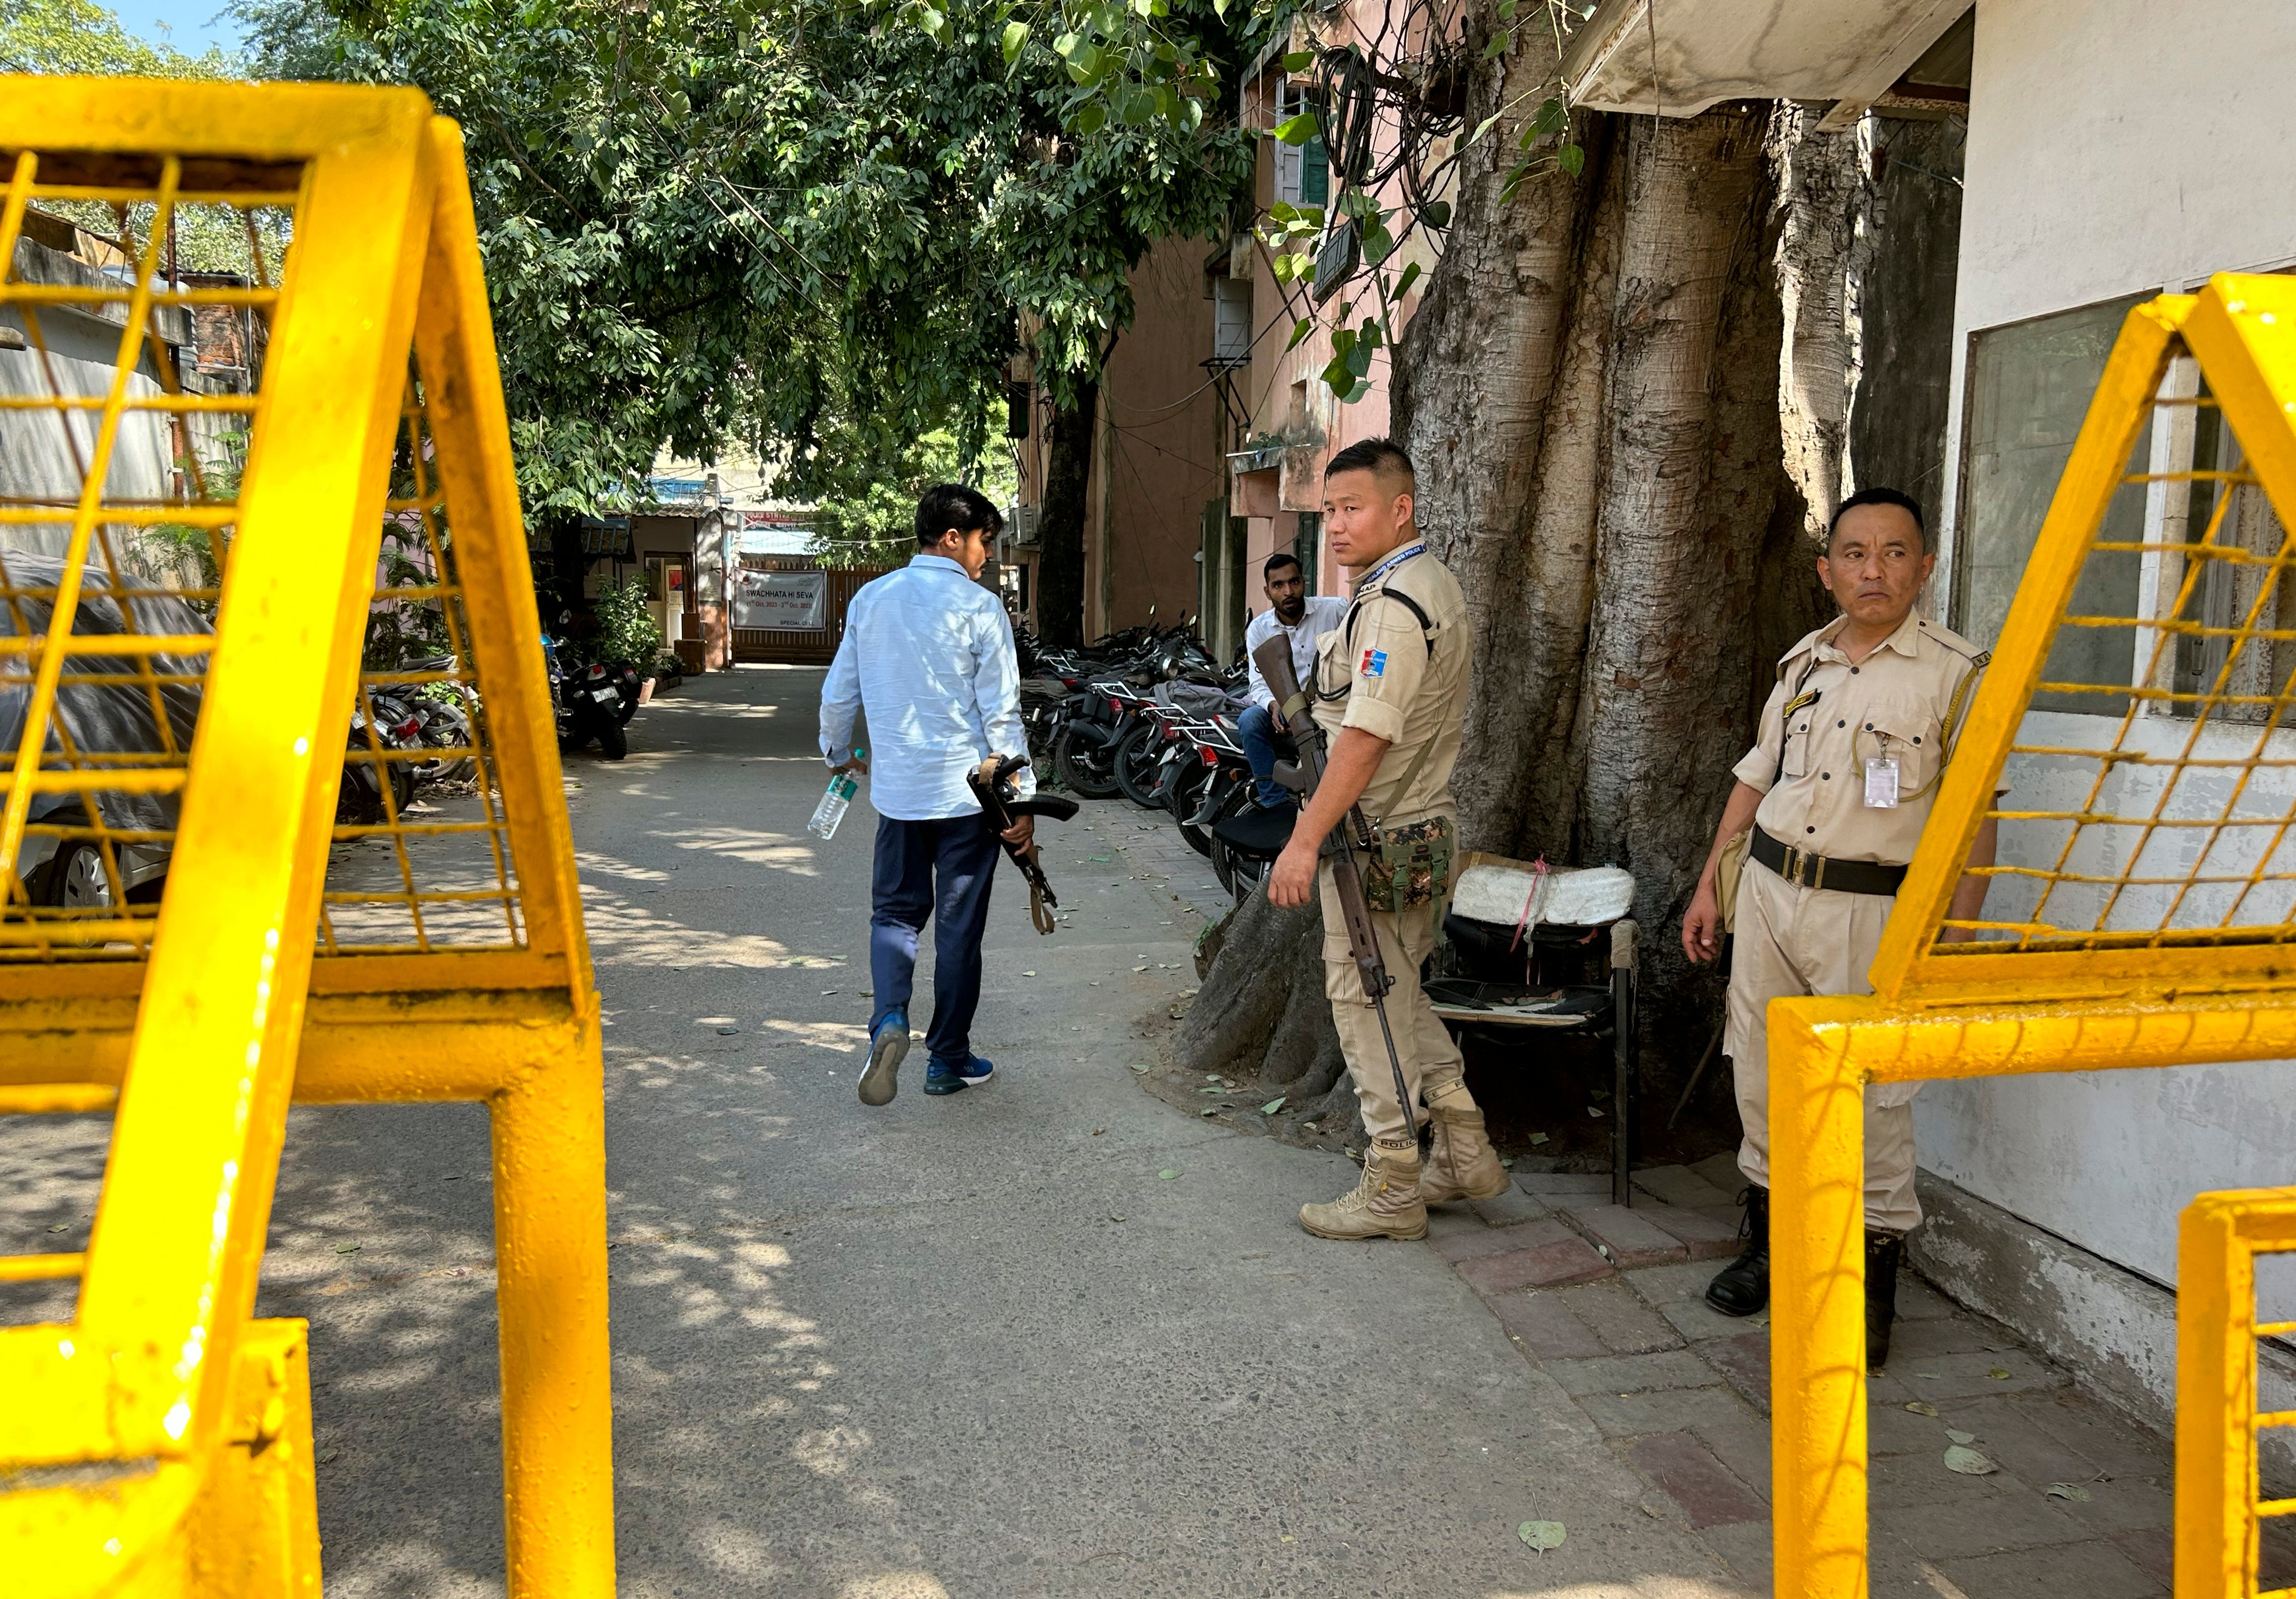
[830, 811]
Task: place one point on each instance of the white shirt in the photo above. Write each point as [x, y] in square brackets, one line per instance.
[1324, 613]
[928, 653]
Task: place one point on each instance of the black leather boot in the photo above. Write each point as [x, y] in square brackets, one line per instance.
[1742, 1287]
[1883, 1251]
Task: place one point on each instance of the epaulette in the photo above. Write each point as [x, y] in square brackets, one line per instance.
[1954, 642]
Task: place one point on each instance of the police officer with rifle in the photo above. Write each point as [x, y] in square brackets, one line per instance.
[1389, 692]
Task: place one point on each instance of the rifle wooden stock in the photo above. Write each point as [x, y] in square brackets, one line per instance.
[1274, 659]
[992, 784]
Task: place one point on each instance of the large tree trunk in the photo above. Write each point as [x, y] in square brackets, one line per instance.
[1624, 466]
[1068, 482]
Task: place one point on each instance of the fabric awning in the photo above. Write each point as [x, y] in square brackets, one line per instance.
[1695, 53]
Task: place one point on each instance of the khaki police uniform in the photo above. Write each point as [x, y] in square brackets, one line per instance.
[1404, 680]
[1793, 938]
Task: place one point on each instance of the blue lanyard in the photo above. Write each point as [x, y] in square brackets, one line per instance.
[1397, 559]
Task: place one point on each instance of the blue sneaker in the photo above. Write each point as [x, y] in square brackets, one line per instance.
[943, 1078]
[888, 1045]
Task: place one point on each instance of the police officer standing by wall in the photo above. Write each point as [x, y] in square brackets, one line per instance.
[1854, 739]
[1389, 692]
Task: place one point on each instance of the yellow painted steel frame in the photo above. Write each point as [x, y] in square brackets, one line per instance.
[1936, 1013]
[2218, 1512]
[119, 1429]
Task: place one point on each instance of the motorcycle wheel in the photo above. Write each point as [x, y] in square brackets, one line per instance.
[1238, 874]
[445, 768]
[1085, 767]
[1136, 760]
[1187, 798]
[613, 742]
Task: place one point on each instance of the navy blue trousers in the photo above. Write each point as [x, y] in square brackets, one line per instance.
[1256, 731]
[942, 871]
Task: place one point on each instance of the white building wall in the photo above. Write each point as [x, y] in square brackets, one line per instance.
[2116, 146]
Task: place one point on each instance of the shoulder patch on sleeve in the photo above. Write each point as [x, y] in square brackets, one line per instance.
[1374, 664]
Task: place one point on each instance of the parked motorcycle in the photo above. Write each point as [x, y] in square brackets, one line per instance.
[587, 700]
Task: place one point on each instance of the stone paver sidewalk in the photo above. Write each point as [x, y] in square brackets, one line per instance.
[1609, 1303]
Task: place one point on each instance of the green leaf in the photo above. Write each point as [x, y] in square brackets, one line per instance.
[931, 20]
[1343, 339]
[1571, 158]
[1273, 1106]
[1498, 46]
[1481, 129]
[1299, 130]
[1436, 214]
[1506, 11]
[1337, 376]
[1090, 119]
[1299, 61]
[1968, 1462]
[1359, 359]
[1016, 34]
[1552, 118]
[1300, 331]
[1542, 1536]
[2067, 1491]
[1168, 1174]
[1410, 276]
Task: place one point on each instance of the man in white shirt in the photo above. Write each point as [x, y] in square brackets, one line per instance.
[928, 654]
[1304, 618]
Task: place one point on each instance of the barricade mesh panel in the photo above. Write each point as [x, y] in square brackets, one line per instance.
[130, 383]
[2152, 786]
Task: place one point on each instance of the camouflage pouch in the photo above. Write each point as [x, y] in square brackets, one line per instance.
[1410, 866]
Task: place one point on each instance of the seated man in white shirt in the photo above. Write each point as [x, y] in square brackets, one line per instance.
[928, 653]
[1304, 618]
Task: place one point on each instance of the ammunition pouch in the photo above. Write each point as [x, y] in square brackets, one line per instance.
[1409, 866]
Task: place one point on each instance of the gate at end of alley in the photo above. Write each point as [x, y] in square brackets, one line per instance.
[788, 611]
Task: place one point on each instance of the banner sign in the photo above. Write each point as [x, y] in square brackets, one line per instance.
[782, 601]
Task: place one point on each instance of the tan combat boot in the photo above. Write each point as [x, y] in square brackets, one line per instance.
[1384, 1205]
[1462, 1165]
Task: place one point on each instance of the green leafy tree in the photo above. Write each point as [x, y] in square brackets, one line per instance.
[81, 36]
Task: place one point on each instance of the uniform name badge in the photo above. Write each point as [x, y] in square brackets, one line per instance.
[1881, 783]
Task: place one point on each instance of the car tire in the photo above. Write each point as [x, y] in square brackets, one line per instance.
[74, 878]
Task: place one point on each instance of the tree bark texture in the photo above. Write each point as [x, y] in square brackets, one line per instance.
[1067, 503]
[1262, 1019]
[1626, 397]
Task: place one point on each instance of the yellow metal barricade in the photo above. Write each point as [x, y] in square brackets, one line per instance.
[182, 650]
[2219, 1504]
[2146, 910]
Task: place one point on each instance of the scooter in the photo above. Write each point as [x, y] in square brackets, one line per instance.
[587, 701]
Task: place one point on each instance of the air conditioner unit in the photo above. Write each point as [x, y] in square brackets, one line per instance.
[1023, 524]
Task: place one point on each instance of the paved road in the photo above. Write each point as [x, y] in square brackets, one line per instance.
[982, 1347]
[968, 1347]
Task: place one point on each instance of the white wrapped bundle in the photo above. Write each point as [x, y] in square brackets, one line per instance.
[1560, 896]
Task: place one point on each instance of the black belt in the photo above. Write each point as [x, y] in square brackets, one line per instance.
[1816, 871]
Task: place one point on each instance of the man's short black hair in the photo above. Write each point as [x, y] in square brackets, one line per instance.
[1880, 497]
[1382, 457]
[947, 506]
[1278, 563]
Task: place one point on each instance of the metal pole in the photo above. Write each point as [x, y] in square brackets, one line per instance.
[1817, 1300]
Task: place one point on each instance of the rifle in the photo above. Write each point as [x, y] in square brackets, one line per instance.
[1000, 801]
[1274, 659]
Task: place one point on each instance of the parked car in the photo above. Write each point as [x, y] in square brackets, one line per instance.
[61, 861]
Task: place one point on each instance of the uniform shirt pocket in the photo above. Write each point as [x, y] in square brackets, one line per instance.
[1908, 732]
[1797, 745]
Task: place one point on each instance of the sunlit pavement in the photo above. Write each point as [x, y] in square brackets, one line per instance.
[975, 1346]
[987, 1346]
